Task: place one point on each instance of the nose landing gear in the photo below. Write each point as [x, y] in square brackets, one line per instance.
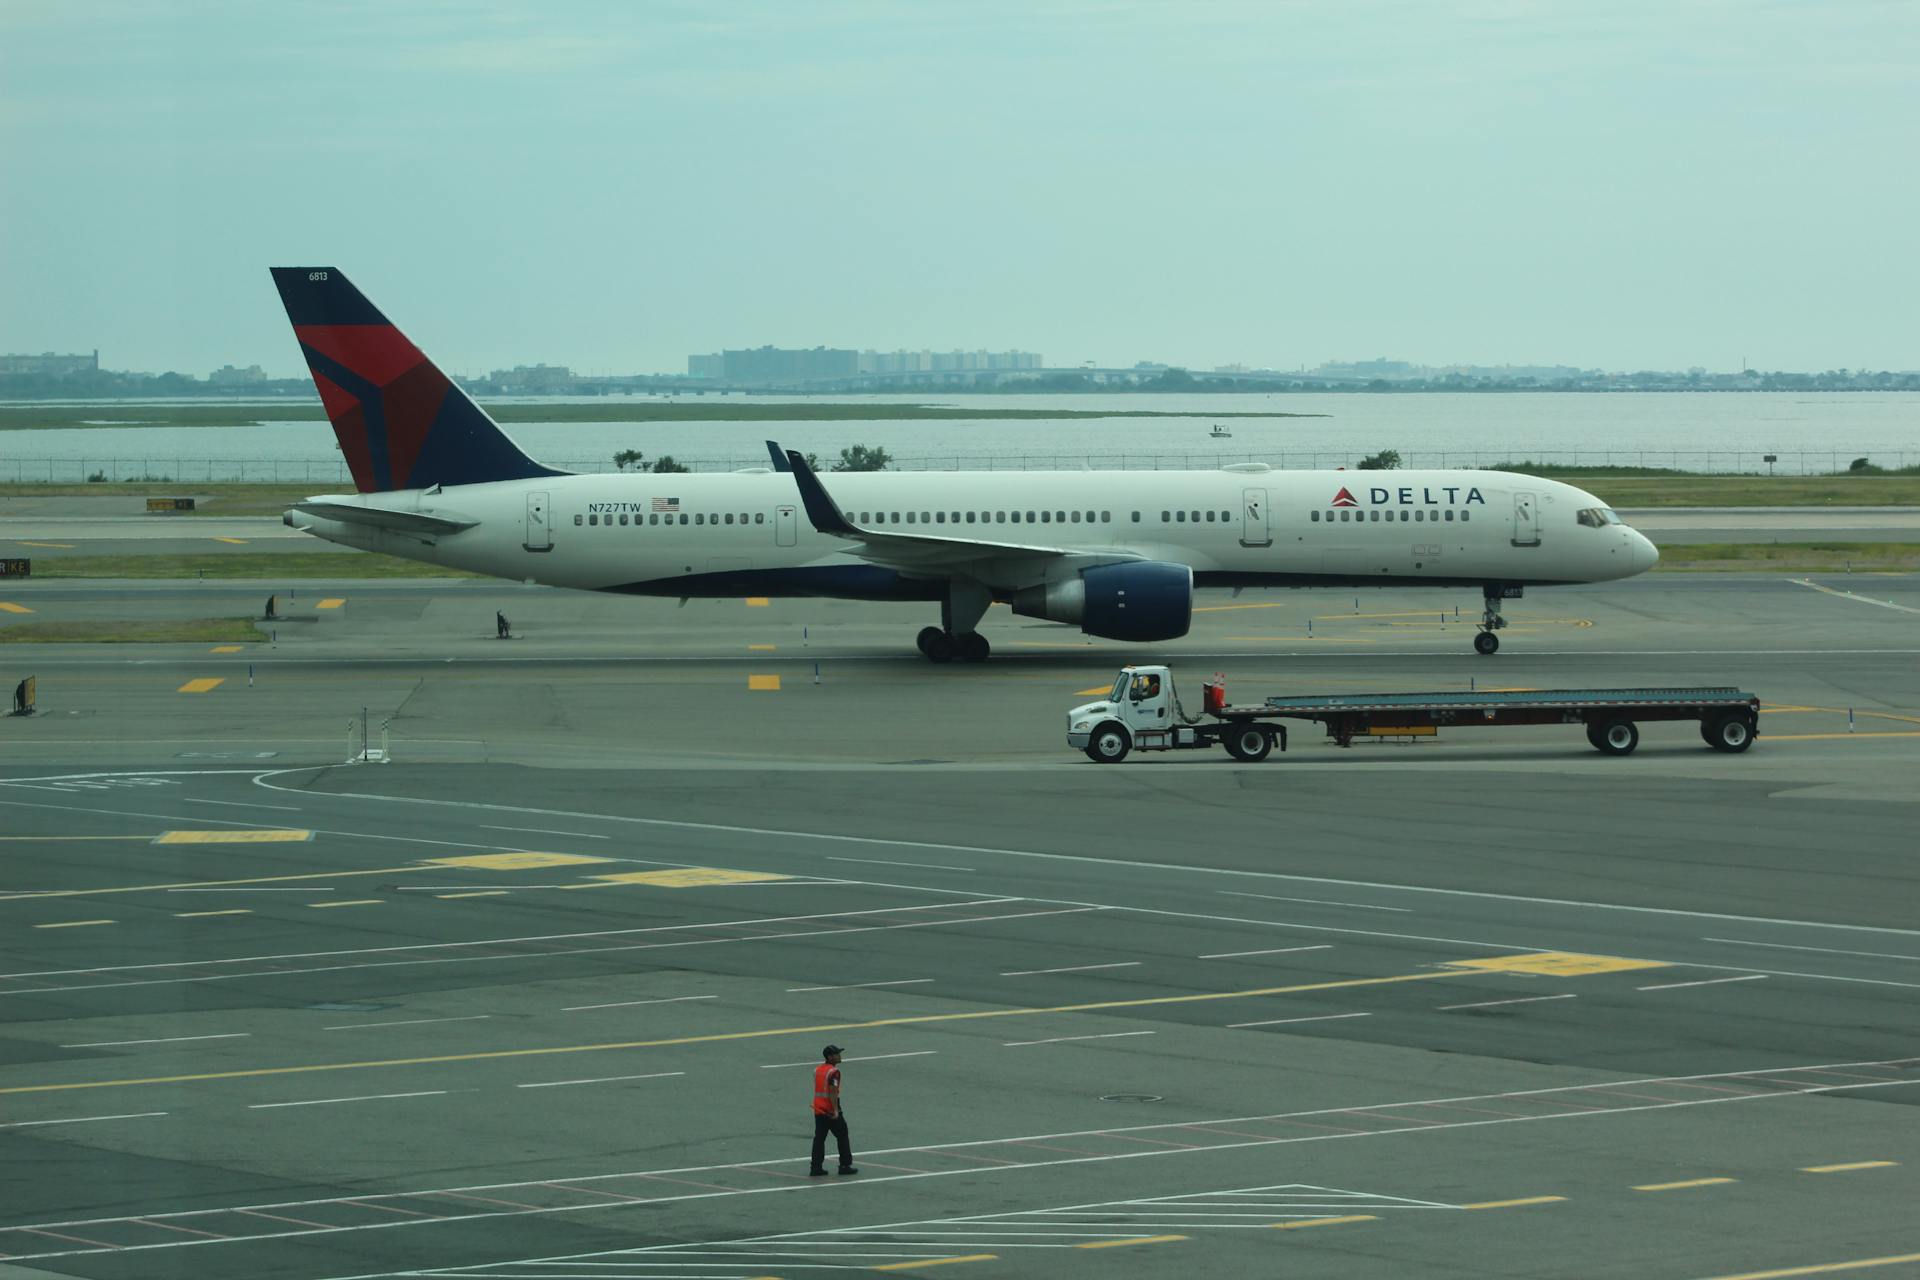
[1491, 621]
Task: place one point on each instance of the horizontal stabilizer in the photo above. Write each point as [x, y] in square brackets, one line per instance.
[381, 518]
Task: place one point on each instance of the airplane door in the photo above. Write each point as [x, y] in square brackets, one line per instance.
[783, 526]
[1526, 521]
[539, 535]
[1255, 529]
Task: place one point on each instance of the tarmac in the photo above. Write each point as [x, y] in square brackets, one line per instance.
[1490, 1004]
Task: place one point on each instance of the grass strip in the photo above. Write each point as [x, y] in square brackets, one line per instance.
[1790, 557]
[347, 566]
[142, 631]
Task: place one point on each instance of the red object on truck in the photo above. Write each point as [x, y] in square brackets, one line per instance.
[1213, 694]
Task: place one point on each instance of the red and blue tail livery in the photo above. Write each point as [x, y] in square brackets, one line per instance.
[401, 423]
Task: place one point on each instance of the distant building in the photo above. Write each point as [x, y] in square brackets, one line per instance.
[532, 379]
[228, 376]
[49, 363]
[777, 364]
[713, 366]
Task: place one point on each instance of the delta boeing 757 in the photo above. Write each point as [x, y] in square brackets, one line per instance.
[1117, 553]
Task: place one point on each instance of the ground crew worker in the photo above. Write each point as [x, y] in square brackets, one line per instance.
[827, 1115]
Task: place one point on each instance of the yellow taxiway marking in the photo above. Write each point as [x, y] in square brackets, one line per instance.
[230, 911]
[516, 861]
[64, 546]
[1323, 1222]
[758, 602]
[1121, 1244]
[760, 648]
[1848, 1168]
[1556, 964]
[1294, 637]
[936, 1262]
[763, 682]
[1678, 1186]
[1854, 596]
[1223, 608]
[202, 685]
[225, 648]
[238, 542]
[71, 924]
[1824, 1268]
[278, 835]
[7, 606]
[1087, 693]
[351, 902]
[1514, 1204]
[691, 877]
[474, 893]
[811, 1029]
[331, 602]
[211, 884]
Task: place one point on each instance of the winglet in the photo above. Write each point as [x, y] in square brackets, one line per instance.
[821, 509]
[780, 462]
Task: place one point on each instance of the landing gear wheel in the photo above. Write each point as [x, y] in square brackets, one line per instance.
[940, 647]
[1615, 737]
[973, 647]
[926, 638]
[1486, 642]
[1109, 744]
[1249, 743]
[1727, 732]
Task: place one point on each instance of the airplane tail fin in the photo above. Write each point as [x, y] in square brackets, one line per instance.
[401, 423]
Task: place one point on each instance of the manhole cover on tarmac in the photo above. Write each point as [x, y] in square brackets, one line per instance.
[1129, 1097]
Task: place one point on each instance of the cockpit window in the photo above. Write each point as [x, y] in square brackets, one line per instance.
[1599, 517]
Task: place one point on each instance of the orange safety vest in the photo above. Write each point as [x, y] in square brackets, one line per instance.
[826, 1077]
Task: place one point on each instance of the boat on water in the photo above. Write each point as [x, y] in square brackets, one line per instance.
[1220, 433]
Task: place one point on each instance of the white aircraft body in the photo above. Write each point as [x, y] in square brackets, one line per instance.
[1117, 553]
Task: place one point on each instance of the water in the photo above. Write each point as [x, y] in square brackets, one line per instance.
[1807, 431]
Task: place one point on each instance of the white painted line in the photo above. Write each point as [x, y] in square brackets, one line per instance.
[849, 986]
[1832, 951]
[252, 891]
[1111, 1035]
[622, 1004]
[1320, 902]
[405, 1022]
[1072, 968]
[872, 1057]
[1848, 595]
[1273, 951]
[1705, 982]
[545, 831]
[884, 862]
[235, 804]
[321, 1102]
[1488, 1004]
[28, 1124]
[1276, 1022]
[555, 1084]
[105, 1044]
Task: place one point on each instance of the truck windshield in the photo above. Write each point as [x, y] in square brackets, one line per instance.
[1119, 693]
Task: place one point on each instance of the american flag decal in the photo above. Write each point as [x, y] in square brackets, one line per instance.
[666, 504]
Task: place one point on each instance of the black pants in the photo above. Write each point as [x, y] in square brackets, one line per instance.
[837, 1126]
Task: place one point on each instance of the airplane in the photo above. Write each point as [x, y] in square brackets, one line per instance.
[1117, 553]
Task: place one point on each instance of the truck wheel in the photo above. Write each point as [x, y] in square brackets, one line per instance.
[1730, 732]
[1109, 744]
[1593, 734]
[1249, 743]
[1616, 737]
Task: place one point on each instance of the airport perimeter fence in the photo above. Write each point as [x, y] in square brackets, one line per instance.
[333, 471]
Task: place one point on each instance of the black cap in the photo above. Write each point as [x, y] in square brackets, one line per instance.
[831, 1050]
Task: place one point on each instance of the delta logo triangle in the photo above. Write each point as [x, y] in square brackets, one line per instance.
[1344, 499]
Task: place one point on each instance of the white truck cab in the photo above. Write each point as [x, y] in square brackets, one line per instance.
[1142, 712]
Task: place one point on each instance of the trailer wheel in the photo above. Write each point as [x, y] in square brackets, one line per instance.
[1249, 743]
[1729, 732]
[1109, 744]
[1615, 737]
[1593, 734]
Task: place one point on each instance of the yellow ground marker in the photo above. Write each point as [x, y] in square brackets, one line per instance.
[1557, 964]
[64, 546]
[1121, 1244]
[331, 602]
[691, 877]
[230, 911]
[225, 648]
[1824, 1268]
[351, 902]
[71, 924]
[238, 542]
[936, 1262]
[757, 602]
[474, 893]
[277, 836]
[1088, 693]
[1678, 1186]
[516, 861]
[764, 683]
[1323, 1222]
[1514, 1204]
[760, 648]
[1848, 1168]
[7, 606]
[202, 685]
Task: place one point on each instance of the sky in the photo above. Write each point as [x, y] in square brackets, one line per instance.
[613, 186]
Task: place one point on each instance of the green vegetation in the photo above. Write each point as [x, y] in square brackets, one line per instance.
[144, 631]
[1790, 557]
[1385, 460]
[858, 457]
[665, 465]
[266, 565]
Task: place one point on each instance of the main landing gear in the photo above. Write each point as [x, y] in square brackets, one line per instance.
[1487, 642]
[960, 613]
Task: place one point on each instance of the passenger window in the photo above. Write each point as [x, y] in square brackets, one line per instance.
[1136, 517]
[1059, 517]
[1419, 515]
[1029, 517]
[1046, 517]
[579, 520]
[1106, 517]
[925, 518]
[593, 519]
[969, 517]
[1464, 516]
[759, 517]
[999, 517]
[909, 517]
[1225, 516]
[1449, 515]
[683, 518]
[1076, 517]
[1404, 517]
[1166, 517]
[956, 517]
[1181, 516]
[1209, 517]
[623, 519]
[1314, 516]
[729, 517]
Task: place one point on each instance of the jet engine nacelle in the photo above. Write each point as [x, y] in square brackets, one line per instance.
[1141, 600]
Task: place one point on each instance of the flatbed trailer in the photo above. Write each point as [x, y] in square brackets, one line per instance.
[1143, 713]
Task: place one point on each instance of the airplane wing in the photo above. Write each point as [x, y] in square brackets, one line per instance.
[928, 554]
[382, 518]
